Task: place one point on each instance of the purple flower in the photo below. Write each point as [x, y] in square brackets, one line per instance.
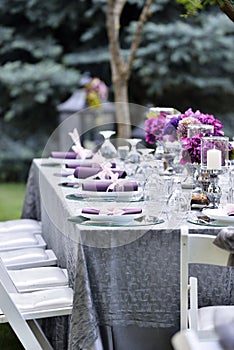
[191, 150]
[157, 128]
[154, 128]
[171, 127]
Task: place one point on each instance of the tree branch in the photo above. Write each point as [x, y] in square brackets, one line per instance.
[119, 7]
[137, 37]
[227, 7]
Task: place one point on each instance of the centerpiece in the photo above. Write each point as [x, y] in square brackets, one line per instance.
[160, 128]
[197, 133]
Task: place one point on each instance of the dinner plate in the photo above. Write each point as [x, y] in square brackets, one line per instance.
[125, 195]
[115, 218]
[68, 161]
[81, 197]
[142, 221]
[72, 178]
[219, 214]
[211, 223]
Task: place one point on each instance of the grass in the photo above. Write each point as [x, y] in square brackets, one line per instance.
[11, 202]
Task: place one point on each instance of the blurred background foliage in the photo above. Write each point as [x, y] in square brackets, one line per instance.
[46, 47]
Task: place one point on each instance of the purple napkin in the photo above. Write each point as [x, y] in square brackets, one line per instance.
[86, 164]
[66, 155]
[132, 211]
[84, 172]
[125, 211]
[102, 186]
[90, 211]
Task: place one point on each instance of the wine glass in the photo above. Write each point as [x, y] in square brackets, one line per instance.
[146, 154]
[146, 165]
[133, 155]
[133, 158]
[107, 149]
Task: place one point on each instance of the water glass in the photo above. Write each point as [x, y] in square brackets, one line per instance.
[179, 205]
[155, 196]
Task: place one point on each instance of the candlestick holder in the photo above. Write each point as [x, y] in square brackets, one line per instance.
[213, 191]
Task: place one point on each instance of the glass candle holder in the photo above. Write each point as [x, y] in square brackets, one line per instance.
[214, 152]
[199, 129]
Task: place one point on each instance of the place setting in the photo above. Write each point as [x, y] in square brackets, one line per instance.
[221, 216]
[114, 216]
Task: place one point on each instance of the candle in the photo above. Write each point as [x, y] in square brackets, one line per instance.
[214, 159]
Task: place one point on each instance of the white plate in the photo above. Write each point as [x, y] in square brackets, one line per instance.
[126, 195]
[218, 214]
[68, 161]
[111, 218]
[73, 179]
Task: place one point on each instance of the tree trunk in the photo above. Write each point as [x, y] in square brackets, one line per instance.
[121, 68]
[122, 108]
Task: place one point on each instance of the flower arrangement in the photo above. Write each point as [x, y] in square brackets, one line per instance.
[177, 127]
[156, 122]
[96, 92]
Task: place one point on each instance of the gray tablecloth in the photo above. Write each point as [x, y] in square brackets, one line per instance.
[121, 277]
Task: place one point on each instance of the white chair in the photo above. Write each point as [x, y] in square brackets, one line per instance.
[27, 258]
[189, 340]
[20, 225]
[39, 278]
[22, 310]
[21, 240]
[199, 249]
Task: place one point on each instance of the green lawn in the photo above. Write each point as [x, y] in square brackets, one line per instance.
[11, 201]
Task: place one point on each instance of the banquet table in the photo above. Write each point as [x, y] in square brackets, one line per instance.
[126, 279]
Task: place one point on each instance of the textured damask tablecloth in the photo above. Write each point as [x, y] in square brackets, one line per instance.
[122, 277]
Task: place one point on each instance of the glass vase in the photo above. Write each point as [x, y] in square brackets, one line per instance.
[214, 152]
[199, 129]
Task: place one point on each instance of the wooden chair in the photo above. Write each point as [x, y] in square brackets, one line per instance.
[21, 310]
[199, 249]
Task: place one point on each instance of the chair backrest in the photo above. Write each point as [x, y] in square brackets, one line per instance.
[197, 249]
[22, 309]
[12, 313]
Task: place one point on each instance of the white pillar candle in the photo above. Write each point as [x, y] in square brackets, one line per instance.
[214, 159]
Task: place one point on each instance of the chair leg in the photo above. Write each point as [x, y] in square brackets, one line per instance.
[37, 331]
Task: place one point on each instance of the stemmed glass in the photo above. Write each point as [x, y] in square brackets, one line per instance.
[145, 167]
[133, 155]
[133, 158]
[107, 149]
[146, 154]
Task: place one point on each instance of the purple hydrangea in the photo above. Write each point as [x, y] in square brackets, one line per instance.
[206, 119]
[154, 129]
[191, 149]
[158, 129]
